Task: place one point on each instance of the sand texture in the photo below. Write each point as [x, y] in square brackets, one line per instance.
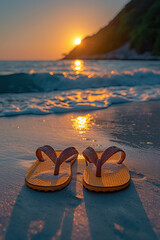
[74, 212]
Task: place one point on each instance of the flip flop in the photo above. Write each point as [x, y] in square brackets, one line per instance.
[52, 170]
[106, 173]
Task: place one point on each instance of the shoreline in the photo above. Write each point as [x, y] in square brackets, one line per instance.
[128, 214]
[112, 59]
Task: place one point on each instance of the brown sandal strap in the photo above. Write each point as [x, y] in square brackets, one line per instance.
[106, 155]
[110, 152]
[68, 155]
[91, 156]
[48, 150]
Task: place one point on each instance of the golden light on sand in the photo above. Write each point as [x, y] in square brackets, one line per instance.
[77, 41]
[82, 123]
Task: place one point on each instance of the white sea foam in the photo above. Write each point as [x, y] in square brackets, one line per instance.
[75, 100]
[76, 90]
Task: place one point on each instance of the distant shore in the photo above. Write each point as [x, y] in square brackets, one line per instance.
[122, 53]
[118, 59]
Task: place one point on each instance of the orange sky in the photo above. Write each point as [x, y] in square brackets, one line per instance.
[44, 30]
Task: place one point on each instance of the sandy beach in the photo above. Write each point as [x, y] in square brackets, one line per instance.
[75, 213]
[80, 76]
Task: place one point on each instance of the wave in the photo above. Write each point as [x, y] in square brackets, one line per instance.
[44, 93]
[74, 100]
[46, 82]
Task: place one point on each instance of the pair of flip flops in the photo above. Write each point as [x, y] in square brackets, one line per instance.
[104, 171]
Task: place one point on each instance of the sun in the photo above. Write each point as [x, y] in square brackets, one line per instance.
[77, 41]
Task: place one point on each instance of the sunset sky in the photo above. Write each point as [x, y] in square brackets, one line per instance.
[45, 29]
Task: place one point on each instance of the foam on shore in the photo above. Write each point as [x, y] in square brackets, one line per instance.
[43, 93]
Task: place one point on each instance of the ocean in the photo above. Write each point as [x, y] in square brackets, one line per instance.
[50, 87]
[127, 92]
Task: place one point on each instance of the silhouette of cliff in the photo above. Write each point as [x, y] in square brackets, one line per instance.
[137, 25]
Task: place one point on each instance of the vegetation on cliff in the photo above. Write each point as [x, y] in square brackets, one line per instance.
[138, 23]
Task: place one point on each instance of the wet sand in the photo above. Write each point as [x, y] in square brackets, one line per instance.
[75, 213]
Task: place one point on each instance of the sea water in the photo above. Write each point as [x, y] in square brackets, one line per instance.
[45, 87]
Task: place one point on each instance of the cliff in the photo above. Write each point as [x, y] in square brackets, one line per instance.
[136, 26]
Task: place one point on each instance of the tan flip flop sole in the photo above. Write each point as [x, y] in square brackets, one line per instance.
[114, 176]
[40, 175]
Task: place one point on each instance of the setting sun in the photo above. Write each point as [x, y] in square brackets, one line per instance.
[77, 41]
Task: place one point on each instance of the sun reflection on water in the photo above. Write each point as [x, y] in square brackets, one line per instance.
[78, 66]
[82, 123]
